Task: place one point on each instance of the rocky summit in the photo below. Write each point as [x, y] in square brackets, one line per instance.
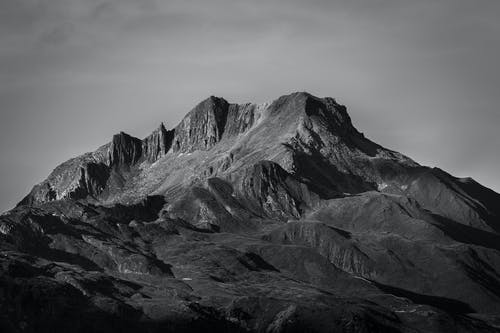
[276, 217]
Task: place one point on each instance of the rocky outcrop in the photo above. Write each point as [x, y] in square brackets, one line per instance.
[157, 144]
[203, 126]
[204, 210]
[80, 181]
[330, 153]
[241, 118]
[125, 150]
[93, 180]
[268, 190]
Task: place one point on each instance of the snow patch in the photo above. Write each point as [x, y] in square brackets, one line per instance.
[381, 186]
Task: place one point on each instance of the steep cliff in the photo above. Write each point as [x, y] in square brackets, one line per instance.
[124, 150]
[157, 144]
[203, 127]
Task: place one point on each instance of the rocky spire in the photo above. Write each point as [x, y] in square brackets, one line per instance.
[124, 150]
[203, 126]
[157, 143]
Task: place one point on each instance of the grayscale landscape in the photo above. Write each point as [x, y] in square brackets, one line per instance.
[275, 217]
[267, 166]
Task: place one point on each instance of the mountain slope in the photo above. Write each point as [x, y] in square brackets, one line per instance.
[273, 217]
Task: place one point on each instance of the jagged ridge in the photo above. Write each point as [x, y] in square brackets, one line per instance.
[272, 217]
[311, 138]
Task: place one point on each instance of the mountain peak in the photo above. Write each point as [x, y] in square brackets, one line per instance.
[210, 102]
[305, 95]
[286, 197]
[310, 110]
[157, 143]
[293, 131]
[124, 150]
[203, 126]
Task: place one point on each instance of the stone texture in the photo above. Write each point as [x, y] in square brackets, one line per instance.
[203, 126]
[124, 150]
[270, 191]
[269, 218]
[157, 144]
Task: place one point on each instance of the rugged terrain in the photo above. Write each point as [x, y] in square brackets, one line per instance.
[279, 217]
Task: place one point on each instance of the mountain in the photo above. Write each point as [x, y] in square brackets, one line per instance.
[276, 217]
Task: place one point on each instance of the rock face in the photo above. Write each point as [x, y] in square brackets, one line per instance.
[275, 217]
[270, 191]
[157, 144]
[203, 127]
[124, 150]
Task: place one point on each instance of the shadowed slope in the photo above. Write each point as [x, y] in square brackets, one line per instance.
[273, 217]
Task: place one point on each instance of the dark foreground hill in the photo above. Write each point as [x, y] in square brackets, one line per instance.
[278, 217]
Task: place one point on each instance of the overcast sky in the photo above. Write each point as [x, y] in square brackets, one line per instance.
[421, 77]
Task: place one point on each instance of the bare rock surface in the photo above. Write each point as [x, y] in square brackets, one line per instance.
[275, 217]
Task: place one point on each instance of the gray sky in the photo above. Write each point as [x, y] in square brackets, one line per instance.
[421, 77]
